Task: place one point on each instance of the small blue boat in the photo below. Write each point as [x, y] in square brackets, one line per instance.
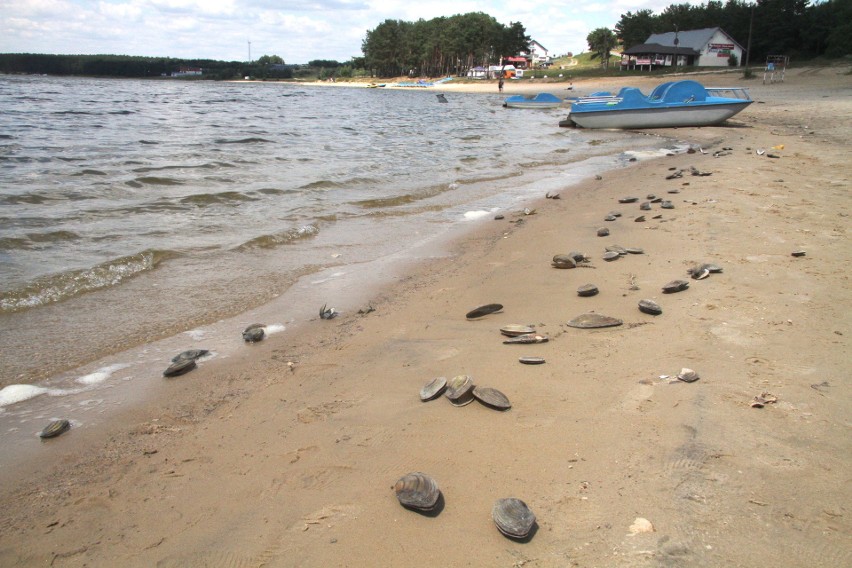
[672, 104]
[541, 100]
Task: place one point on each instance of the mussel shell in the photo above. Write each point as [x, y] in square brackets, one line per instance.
[587, 290]
[634, 250]
[650, 307]
[254, 333]
[798, 253]
[417, 490]
[55, 428]
[492, 398]
[563, 261]
[640, 219]
[180, 368]
[611, 255]
[483, 311]
[513, 517]
[460, 390]
[667, 204]
[675, 286]
[645, 206]
[433, 389]
[531, 360]
[603, 232]
[616, 248]
[190, 354]
[514, 330]
[628, 200]
[577, 256]
[527, 338]
[594, 321]
[687, 375]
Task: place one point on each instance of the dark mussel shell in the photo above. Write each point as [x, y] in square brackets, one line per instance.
[513, 517]
[417, 491]
[433, 389]
[483, 311]
[55, 428]
[180, 368]
[492, 398]
[190, 354]
[650, 307]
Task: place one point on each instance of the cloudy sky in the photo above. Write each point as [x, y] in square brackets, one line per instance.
[297, 31]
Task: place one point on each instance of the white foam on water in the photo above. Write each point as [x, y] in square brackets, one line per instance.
[196, 334]
[19, 393]
[274, 328]
[329, 278]
[473, 215]
[101, 374]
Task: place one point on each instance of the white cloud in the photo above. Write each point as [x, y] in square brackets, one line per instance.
[296, 31]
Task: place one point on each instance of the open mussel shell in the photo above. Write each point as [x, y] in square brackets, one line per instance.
[514, 330]
[611, 255]
[433, 389]
[563, 261]
[483, 311]
[593, 321]
[254, 333]
[650, 307]
[527, 338]
[492, 398]
[55, 428]
[460, 390]
[417, 491]
[181, 367]
[675, 286]
[513, 518]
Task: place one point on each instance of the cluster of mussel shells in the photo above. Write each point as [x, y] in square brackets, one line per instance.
[461, 391]
[420, 492]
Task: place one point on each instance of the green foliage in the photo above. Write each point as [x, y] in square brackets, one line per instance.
[269, 60]
[441, 46]
[732, 60]
[601, 41]
[789, 27]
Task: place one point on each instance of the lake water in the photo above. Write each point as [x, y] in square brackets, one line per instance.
[132, 211]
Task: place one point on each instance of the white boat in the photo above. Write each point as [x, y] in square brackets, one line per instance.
[672, 104]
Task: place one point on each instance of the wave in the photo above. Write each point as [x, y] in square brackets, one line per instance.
[153, 180]
[35, 240]
[205, 199]
[65, 285]
[205, 166]
[286, 237]
[89, 172]
[250, 140]
[404, 199]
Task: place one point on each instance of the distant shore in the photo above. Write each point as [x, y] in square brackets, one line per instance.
[287, 456]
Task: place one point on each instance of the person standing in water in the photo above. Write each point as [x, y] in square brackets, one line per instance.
[500, 84]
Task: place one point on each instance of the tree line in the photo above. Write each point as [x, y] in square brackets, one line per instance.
[441, 46]
[776, 27]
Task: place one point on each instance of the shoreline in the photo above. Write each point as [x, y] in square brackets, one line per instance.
[301, 456]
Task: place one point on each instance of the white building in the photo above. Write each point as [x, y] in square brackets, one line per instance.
[711, 46]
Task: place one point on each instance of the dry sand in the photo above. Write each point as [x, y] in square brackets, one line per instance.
[287, 457]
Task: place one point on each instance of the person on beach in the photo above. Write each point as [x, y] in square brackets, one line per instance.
[500, 84]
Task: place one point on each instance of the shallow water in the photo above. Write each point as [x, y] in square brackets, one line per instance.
[139, 210]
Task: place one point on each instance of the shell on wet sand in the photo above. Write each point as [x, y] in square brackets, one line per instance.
[181, 367]
[513, 517]
[514, 330]
[417, 491]
[433, 389]
[650, 307]
[527, 338]
[531, 360]
[190, 354]
[460, 390]
[254, 333]
[587, 290]
[593, 321]
[675, 286]
[483, 311]
[55, 428]
[492, 398]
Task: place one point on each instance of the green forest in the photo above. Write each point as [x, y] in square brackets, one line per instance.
[451, 45]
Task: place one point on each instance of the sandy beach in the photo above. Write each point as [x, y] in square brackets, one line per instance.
[287, 456]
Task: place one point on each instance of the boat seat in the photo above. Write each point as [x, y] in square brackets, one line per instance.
[684, 92]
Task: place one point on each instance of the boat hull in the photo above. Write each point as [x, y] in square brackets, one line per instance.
[541, 100]
[666, 117]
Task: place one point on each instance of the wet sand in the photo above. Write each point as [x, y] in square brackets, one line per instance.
[287, 456]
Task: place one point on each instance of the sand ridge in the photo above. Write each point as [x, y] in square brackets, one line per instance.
[287, 457]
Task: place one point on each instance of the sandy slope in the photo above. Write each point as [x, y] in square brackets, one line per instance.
[259, 463]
